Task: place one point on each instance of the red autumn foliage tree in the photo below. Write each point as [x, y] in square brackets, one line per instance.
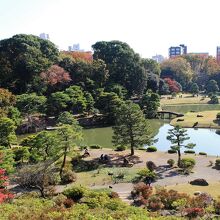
[4, 194]
[174, 86]
[55, 75]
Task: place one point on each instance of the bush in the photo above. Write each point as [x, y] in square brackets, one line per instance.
[217, 163]
[143, 173]
[194, 212]
[75, 193]
[68, 176]
[141, 191]
[154, 203]
[189, 152]
[171, 151]
[151, 165]
[218, 116]
[187, 163]
[151, 149]
[214, 100]
[120, 148]
[171, 162]
[202, 153]
[95, 146]
[199, 182]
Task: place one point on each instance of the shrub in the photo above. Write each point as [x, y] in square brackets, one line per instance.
[151, 165]
[141, 191]
[199, 182]
[59, 199]
[218, 116]
[217, 163]
[154, 203]
[68, 176]
[171, 162]
[214, 100]
[194, 212]
[95, 146]
[187, 163]
[151, 149]
[217, 205]
[189, 152]
[169, 197]
[171, 151]
[75, 193]
[202, 200]
[113, 195]
[202, 153]
[144, 173]
[120, 148]
[68, 203]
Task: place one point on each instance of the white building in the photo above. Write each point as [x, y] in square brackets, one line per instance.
[158, 58]
[44, 36]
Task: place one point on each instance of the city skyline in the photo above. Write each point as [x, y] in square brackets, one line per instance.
[149, 27]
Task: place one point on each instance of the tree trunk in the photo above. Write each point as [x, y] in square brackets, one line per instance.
[179, 158]
[64, 162]
[132, 150]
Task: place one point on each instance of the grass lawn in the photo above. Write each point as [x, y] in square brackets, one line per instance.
[207, 121]
[213, 188]
[185, 99]
[101, 177]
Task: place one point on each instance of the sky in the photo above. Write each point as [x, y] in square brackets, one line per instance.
[150, 27]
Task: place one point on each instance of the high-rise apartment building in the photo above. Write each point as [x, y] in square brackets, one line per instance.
[177, 51]
[44, 36]
[218, 55]
[75, 47]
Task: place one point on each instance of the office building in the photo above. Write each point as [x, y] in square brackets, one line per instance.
[177, 51]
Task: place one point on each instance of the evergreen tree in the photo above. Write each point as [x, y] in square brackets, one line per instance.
[177, 136]
[131, 127]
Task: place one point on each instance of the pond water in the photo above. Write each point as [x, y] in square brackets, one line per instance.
[206, 140]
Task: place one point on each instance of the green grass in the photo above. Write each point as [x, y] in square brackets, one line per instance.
[101, 177]
[213, 188]
[207, 121]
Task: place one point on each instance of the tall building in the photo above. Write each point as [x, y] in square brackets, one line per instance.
[44, 36]
[218, 55]
[177, 51]
[158, 58]
[75, 47]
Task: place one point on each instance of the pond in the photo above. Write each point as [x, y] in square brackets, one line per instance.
[206, 140]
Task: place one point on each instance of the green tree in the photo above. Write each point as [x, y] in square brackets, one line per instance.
[57, 103]
[177, 136]
[194, 89]
[150, 102]
[151, 66]
[212, 86]
[44, 146]
[31, 103]
[124, 65]
[22, 57]
[68, 134]
[131, 127]
[7, 132]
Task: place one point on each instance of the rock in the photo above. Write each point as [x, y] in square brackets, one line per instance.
[196, 193]
[199, 182]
